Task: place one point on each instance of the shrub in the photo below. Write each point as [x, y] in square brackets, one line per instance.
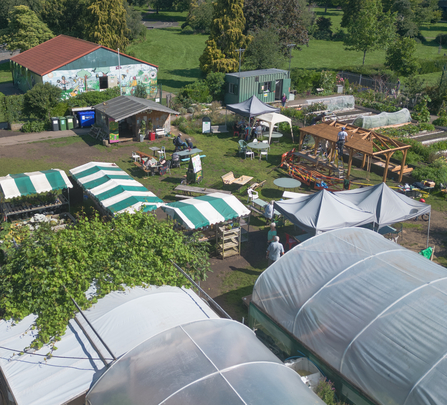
[305, 80]
[14, 106]
[326, 391]
[91, 98]
[216, 85]
[61, 109]
[431, 65]
[36, 126]
[187, 30]
[197, 92]
[436, 171]
[421, 112]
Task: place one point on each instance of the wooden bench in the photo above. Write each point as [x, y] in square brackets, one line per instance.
[230, 179]
[218, 129]
[142, 167]
[160, 133]
[254, 209]
[190, 189]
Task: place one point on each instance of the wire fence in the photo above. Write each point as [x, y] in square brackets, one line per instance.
[377, 83]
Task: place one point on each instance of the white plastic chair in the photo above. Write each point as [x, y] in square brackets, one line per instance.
[264, 153]
[136, 156]
[252, 195]
[161, 153]
[249, 153]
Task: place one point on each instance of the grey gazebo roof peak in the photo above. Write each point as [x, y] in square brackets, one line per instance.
[122, 107]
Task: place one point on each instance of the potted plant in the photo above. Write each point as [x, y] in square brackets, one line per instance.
[142, 130]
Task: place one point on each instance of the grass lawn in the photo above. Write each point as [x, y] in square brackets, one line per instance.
[176, 54]
[5, 73]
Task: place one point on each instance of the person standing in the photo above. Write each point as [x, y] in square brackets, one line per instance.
[271, 233]
[274, 251]
[283, 99]
[258, 130]
[397, 88]
[341, 139]
[269, 211]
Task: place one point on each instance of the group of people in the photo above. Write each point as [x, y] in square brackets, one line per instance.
[182, 145]
[248, 131]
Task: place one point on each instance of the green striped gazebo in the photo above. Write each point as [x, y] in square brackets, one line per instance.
[17, 185]
[114, 189]
[200, 212]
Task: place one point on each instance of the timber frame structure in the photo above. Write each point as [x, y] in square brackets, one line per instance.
[365, 141]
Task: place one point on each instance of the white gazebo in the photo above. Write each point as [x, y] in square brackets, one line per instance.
[274, 118]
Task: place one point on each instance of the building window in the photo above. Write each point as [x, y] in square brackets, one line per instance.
[232, 88]
[265, 87]
[103, 82]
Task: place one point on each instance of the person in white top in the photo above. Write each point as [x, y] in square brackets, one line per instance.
[342, 136]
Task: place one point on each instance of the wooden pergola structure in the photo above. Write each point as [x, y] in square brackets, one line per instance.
[364, 141]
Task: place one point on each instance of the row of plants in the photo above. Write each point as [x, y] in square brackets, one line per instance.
[406, 130]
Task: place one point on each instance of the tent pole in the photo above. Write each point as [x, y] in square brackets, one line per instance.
[428, 230]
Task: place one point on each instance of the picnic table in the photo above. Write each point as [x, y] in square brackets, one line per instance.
[199, 190]
[187, 152]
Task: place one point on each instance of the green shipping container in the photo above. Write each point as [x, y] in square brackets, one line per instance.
[267, 84]
[62, 123]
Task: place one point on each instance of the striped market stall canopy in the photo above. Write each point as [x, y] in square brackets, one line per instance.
[16, 185]
[198, 212]
[114, 189]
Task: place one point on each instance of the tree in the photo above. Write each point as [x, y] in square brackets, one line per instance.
[63, 16]
[105, 23]
[24, 30]
[134, 23]
[216, 85]
[226, 36]
[289, 18]
[200, 16]
[400, 57]
[130, 250]
[264, 51]
[41, 99]
[370, 28]
[6, 6]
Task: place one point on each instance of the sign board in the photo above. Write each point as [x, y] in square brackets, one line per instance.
[206, 125]
[196, 163]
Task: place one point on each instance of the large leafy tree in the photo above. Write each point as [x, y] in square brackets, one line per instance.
[6, 6]
[105, 23]
[400, 57]
[369, 28]
[63, 16]
[289, 18]
[24, 30]
[226, 36]
[48, 267]
[264, 51]
[41, 99]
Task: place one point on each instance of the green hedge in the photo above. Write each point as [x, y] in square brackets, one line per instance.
[92, 98]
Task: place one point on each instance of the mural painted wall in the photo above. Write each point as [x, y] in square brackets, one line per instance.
[73, 82]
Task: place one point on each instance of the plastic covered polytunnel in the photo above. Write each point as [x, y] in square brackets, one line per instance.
[215, 361]
[371, 313]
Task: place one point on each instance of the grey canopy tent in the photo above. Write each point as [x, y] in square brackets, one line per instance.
[323, 211]
[387, 205]
[252, 107]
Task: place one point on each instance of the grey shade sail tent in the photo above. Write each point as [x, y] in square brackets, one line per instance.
[371, 309]
[252, 107]
[387, 205]
[219, 362]
[323, 211]
[122, 107]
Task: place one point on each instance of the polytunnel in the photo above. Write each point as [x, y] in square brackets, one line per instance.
[370, 312]
[215, 361]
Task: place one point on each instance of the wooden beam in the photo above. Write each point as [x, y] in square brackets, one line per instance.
[351, 152]
[363, 160]
[402, 165]
[385, 173]
[302, 136]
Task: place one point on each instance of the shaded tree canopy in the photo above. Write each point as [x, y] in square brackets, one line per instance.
[264, 51]
[105, 23]
[226, 36]
[6, 6]
[48, 267]
[41, 99]
[63, 16]
[400, 57]
[24, 30]
[289, 18]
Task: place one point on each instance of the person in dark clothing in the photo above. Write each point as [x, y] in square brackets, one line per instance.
[178, 143]
[190, 144]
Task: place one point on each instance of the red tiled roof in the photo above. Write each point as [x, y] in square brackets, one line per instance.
[57, 52]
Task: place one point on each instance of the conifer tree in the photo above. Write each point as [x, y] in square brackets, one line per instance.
[226, 36]
[105, 23]
[24, 30]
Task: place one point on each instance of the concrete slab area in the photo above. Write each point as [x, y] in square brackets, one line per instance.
[41, 136]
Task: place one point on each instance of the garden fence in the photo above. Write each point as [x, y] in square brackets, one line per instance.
[377, 83]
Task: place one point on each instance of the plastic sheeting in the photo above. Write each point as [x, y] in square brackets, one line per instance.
[123, 320]
[213, 361]
[323, 211]
[388, 205]
[383, 119]
[335, 103]
[371, 309]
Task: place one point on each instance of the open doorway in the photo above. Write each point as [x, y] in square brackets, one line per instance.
[278, 89]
